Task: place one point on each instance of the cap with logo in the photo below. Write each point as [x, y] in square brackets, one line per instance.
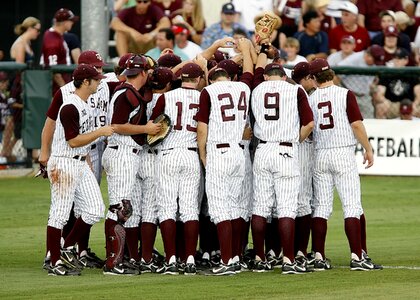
[91, 57]
[378, 54]
[169, 60]
[228, 8]
[161, 76]
[191, 70]
[273, 66]
[231, 67]
[349, 6]
[134, 65]
[391, 30]
[406, 107]
[318, 65]
[64, 14]
[300, 71]
[84, 71]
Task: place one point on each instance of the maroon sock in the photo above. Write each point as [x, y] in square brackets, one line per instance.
[319, 233]
[190, 237]
[180, 241]
[132, 242]
[148, 236]
[109, 224]
[274, 236]
[53, 243]
[79, 230]
[237, 236]
[84, 241]
[69, 225]
[168, 231]
[214, 237]
[352, 228]
[258, 227]
[287, 236]
[205, 234]
[224, 232]
[363, 232]
[245, 234]
[302, 233]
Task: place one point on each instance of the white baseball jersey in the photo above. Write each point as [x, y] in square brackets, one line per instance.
[274, 104]
[229, 102]
[181, 105]
[332, 127]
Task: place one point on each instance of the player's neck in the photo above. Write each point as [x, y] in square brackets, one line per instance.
[326, 84]
[82, 94]
[189, 85]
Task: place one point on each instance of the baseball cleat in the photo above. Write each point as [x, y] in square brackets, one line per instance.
[190, 269]
[121, 270]
[223, 269]
[367, 258]
[361, 265]
[168, 269]
[293, 268]
[46, 265]
[69, 257]
[322, 264]
[61, 269]
[94, 259]
[150, 267]
[261, 267]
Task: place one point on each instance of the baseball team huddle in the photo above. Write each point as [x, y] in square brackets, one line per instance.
[249, 149]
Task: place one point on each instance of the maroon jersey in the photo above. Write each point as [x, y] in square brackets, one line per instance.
[142, 23]
[175, 5]
[361, 36]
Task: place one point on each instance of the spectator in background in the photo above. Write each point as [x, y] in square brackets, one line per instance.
[313, 41]
[224, 28]
[327, 22]
[290, 12]
[135, 27]
[348, 26]
[390, 89]
[182, 34]
[406, 111]
[347, 46]
[191, 15]
[407, 25]
[21, 50]
[369, 11]
[73, 42]
[54, 48]
[388, 19]
[168, 6]
[119, 5]
[6, 120]
[390, 44]
[292, 48]
[248, 10]
[165, 39]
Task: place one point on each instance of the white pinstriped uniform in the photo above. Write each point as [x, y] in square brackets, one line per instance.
[98, 103]
[178, 169]
[306, 166]
[276, 167]
[335, 162]
[71, 179]
[146, 176]
[225, 167]
[121, 166]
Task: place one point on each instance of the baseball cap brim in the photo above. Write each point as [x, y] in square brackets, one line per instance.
[131, 72]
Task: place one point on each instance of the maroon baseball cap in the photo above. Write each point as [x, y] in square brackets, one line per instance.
[219, 56]
[169, 60]
[378, 54]
[91, 57]
[191, 70]
[273, 66]
[123, 59]
[162, 76]
[391, 30]
[318, 65]
[84, 71]
[300, 71]
[3, 76]
[231, 67]
[406, 107]
[134, 65]
[214, 71]
[64, 14]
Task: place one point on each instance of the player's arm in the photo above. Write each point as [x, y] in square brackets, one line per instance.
[226, 42]
[159, 107]
[359, 131]
[118, 25]
[305, 115]
[203, 116]
[69, 117]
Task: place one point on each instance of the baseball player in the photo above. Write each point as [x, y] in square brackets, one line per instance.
[302, 76]
[338, 127]
[70, 176]
[121, 164]
[98, 103]
[222, 117]
[283, 118]
[160, 82]
[178, 170]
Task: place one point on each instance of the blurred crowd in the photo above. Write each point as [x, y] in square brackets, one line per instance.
[359, 33]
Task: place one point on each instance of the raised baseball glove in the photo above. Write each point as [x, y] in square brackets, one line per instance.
[153, 140]
[265, 27]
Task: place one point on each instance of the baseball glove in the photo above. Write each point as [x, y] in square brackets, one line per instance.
[265, 27]
[153, 140]
[42, 172]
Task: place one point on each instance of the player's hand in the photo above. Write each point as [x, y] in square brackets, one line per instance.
[166, 51]
[136, 36]
[106, 130]
[147, 37]
[43, 158]
[152, 128]
[227, 42]
[244, 44]
[201, 61]
[368, 157]
[247, 134]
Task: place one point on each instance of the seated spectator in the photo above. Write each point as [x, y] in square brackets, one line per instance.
[390, 44]
[347, 46]
[290, 12]
[224, 28]
[119, 5]
[369, 13]
[191, 15]
[313, 41]
[360, 84]
[406, 111]
[387, 20]
[248, 10]
[327, 22]
[348, 26]
[407, 25]
[182, 34]
[165, 39]
[389, 91]
[168, 6]
[292, 48]
[135, 27]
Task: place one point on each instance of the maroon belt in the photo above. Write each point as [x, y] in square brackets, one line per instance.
[287, 144]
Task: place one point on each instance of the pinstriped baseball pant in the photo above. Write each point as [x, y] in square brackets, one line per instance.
[305, 198]
[146, 177]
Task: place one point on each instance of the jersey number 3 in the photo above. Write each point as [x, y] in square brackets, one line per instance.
[326, 108]
[178, 125]
[231, 105]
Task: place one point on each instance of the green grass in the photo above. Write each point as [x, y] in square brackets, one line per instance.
[392, 207]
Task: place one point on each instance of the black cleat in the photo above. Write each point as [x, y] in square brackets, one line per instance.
[293, 268]
[260, 266]
[150, 267]
[168, 269]
[190, 269]
[367, 258]
[223, 269]
[120, 270]
[361, 265]
[69, 257]
[61, 269]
